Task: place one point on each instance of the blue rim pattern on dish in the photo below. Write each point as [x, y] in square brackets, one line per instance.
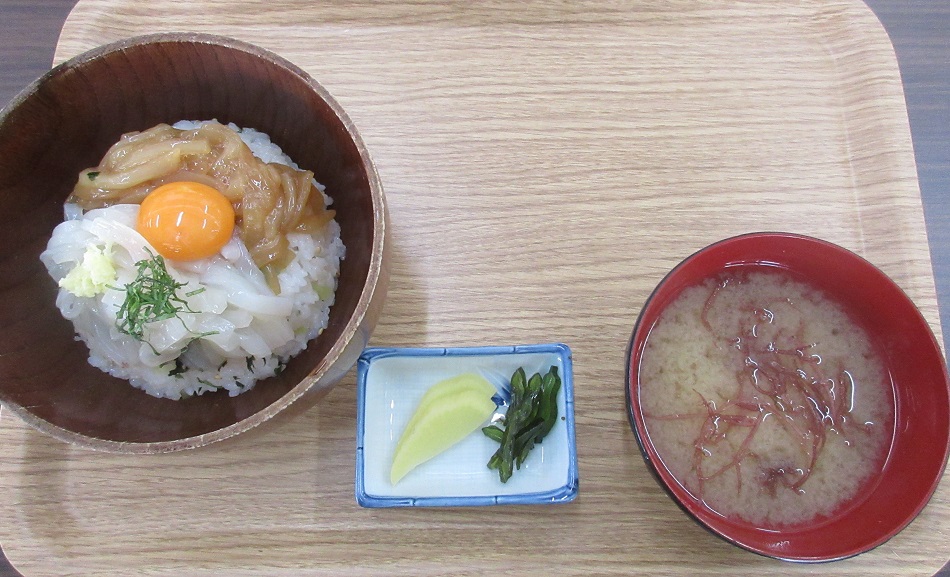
[564, 493]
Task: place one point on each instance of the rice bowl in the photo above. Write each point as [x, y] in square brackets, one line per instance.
[49, 135]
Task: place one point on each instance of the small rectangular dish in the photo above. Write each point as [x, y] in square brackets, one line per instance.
[390, 383]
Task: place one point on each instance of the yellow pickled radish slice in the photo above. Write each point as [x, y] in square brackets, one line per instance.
[448, 412]
[450, 387]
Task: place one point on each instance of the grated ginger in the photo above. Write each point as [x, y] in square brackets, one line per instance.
[93, 275]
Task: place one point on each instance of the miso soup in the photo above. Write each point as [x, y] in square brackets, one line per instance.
[764, 399]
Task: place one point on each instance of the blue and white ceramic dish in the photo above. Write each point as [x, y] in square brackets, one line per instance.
[390, 383]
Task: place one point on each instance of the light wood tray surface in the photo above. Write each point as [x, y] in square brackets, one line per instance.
[545, 164]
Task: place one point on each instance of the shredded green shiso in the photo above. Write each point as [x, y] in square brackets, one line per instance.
[152, 296]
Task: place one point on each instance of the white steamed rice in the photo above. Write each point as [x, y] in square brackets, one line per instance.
[253, 332]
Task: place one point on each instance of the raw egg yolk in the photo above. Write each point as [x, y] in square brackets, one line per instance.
[186, 220]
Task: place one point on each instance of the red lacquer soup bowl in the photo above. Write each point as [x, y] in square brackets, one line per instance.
[890, 499]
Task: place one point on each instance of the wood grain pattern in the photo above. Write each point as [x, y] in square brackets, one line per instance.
[545, 165]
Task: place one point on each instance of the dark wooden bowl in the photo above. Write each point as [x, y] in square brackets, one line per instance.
[64, 122]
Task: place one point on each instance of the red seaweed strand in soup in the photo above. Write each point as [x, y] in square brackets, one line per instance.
[764, 399]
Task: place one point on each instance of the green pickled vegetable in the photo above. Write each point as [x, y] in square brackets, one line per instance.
[531, 415]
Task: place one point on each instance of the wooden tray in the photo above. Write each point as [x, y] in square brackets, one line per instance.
[546, 163]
